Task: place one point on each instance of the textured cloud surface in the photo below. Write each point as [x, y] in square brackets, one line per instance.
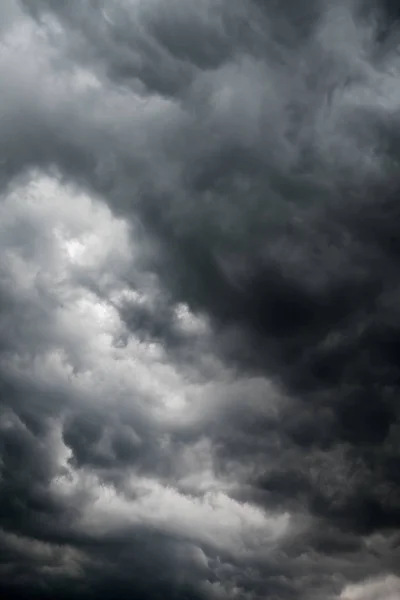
[199, 291]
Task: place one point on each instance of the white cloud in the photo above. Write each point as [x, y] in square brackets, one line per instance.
[213, 518]
[61, 239]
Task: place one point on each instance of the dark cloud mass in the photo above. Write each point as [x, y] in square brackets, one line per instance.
[199, 292]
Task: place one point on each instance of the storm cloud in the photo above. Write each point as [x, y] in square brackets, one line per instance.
[199, 292]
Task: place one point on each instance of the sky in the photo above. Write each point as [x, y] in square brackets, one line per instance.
[200, 300]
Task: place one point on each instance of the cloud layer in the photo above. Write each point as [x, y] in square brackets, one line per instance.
[199, 326]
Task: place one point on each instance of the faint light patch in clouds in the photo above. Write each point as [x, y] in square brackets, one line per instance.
[382, 588]
[43, 557]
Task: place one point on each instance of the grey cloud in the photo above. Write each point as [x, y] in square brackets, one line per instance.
[134, 44]
[254, 146]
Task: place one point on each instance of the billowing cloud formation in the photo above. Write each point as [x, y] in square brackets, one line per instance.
[199, 334]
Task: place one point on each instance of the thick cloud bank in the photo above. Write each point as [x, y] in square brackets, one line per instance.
[200, 299]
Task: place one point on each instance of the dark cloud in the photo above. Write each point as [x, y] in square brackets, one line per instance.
[199, 329]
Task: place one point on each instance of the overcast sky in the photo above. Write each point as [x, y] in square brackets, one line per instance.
[200, 300]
